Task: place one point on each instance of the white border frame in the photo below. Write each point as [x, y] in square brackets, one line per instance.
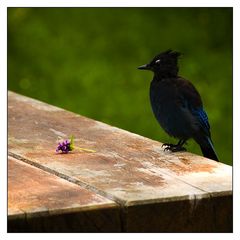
[4, 4]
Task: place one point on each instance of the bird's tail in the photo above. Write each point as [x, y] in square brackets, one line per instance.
[208, 150]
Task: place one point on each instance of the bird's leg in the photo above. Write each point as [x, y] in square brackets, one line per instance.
[175, 147]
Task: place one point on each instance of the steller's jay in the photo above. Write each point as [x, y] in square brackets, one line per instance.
[177, 105]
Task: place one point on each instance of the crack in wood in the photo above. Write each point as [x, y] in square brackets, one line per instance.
[69, 179]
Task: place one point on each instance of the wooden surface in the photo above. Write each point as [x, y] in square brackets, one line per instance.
[145, 188]
[35, 196]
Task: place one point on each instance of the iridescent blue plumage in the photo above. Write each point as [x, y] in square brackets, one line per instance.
[177, 105]
[202, 117]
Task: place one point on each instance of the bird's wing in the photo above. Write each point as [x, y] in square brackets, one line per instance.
[202, 120]
[192, 100]
[188, 93]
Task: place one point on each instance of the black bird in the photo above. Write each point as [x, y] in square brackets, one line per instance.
[177, 105]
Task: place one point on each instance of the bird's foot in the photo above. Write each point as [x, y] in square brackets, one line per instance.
[173, 147]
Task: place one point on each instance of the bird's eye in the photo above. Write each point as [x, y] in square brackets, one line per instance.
[157, 61]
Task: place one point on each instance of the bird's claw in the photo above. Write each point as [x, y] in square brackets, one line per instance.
[168, 145]
[173, 148]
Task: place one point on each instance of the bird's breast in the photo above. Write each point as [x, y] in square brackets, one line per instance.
[163, 99]
[165, 105]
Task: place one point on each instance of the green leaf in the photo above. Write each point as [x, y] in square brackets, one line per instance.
[72, 142]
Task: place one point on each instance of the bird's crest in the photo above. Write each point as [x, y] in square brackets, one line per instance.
[170, 53]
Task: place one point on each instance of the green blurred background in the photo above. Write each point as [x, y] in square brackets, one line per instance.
[85, 60]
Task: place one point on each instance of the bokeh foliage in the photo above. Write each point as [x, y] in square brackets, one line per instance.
[85, 60]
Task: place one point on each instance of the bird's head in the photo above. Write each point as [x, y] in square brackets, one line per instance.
[165, 63]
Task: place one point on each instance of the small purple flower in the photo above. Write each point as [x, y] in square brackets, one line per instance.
[64, 146]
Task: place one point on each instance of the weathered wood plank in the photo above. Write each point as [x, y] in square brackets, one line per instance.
[39, 201]
[127, 168]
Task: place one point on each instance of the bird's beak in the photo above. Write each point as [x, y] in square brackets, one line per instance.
[144, 67]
